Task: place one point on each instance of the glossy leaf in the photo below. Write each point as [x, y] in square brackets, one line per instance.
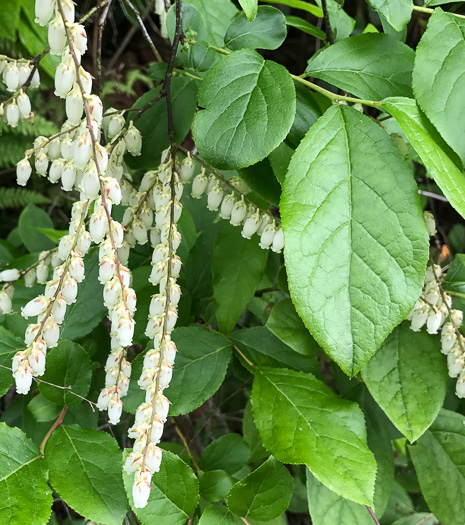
[266, 31]
[438, 458]
[396, 12]
[436, 160]
[370, 66]
[26, 497]
[300, 420]
[200, 367]
[438, 82]
[408, 379]
[85, 470]
[261, 179]
[238, 265]
[229, 453]
[30, 218]
[174, 495]
[68, 365]
[356, 244]
[240, 92]
[264, 494]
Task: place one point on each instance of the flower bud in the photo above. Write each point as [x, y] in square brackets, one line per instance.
[214, 198]
[251, 225]
[11, 77]
[12, 114]
[267, 237]
[141, 489]
[278, 241]
[24, 105]
[65, 77]
[430, 222]
[115, 407]
[238, 212]
[35, 307]
[187, 169]
[57, 35]
[115, 125]
[68, 176]
[227, 206]
[199, 185]
[133, 140]
[23, 171]
[5, 303]
[74, 105]
[44, 11]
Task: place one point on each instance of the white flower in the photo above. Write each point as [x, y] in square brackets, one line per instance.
[187, 169]
[251, 225]
[35, 307]
[69, 290]
[24, 105]
[68, 176]
[65, 77]
[23, 378]
[238, 212]
[278, 241]
[430, 222]
[12, 114]
[68, 10]
[30, 278]
[103, 399]
[74, 105]
[267, 237]
[455, 364]
[115, 124]
[133, 462]
[460, 386]
[5, 303]
[141, 489]
[154, 455]
[59, 310]
[9, 275]
[42, 273]
[86, 80]
[115, 407]
[126, 330]
[56, 169]
[214, 197]
[37, 361]
[95, 108]
[166, 373]
[11, 77]
[35, 82]
[133, 140]
[44, 11]
[162, 407]
[51, 333]
[456, 316]
[41, 162]
[79, 36]
[239, 184]
[57, 35]
[199, 184]
[24, 72]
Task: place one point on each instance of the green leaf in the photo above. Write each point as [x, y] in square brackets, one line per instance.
[85, 470]
[217, 15]
[42, 409]
[396, 12]
[251, 436]
[153, 124]
[30, 218]
[67, 365]
[306, 27]
[261, 179]
[438, 458]
[263, 348]
[174, 495]
[267, 31]
[341, 23]
[239, 93]
[285, 324]
[26, 497]
[327, 508]
[229, 453]
[307, 113]
[10, 18]
[218, 514]
[356, 244]
[52, 234]
[9, 345]
[250, 8]
[264, 494]
[408, 379]
[214, 485]
[421, 136]
[438, 82]
[417, 519]
[201, 363]
[371, 66]
[88, 310]
[327, 434]
[238, 265]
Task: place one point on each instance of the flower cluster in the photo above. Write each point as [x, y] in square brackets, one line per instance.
[221, 196]
[50, 308]
[15, 75]
[151, 415]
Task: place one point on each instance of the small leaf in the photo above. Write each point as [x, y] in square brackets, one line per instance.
[239, 93]
[264, 494]
[327, 434]
[229, 453]
[67, 365]
[42, 409]
[250, 8]
[306, 27]
[438, 82]
[437, 161]
[396, 12]
[371, 66]
[408, 379]
[438, 458]
[356, 244]
[85, 470]
[26, 497]
[174, 495]
[30, 218]
[238, 265]
[267, 31]
[214, 485]
[218, 514]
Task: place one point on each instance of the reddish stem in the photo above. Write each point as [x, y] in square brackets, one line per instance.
[57, 423]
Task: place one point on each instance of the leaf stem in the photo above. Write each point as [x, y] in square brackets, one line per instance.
[246, 359]
[57, 423]
[185, 443]
[372, 514]
[429, 11]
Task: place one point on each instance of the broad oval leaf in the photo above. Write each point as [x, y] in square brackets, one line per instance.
[239, 93]
[217, 15]
[356, 244]
[396, 12]
[30, 218]
[85, 470]
[214, 485]
[436, 160]
[300, 420]
[264, 494]
[438, 80]
[438, 458]
[26, 497]
[174, 495]
[371, 66]
[408, 379]
[229, 453]
[218, 514]
[266, 31]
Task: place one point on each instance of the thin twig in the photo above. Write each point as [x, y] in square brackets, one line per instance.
[98, 66]
[185, 443]
[372, 514]
[93, 10]
[57, 423]
[433, 195]
[144, 30]
[328, 30]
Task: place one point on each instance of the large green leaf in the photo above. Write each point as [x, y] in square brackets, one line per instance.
[10, 18]
[356, 244]
[372, 66]
[26, 497]
[439, 459]
[239, 93]
[300, 420]
[261, 179]
[408, 379]
[214, 485]
[307, 112]
[217, 15]
[30, 218]
[396, 12]
[229, 453]
[9, 345]
[264, 494]
[174, 495]
[238, 265]
[68, 365]
[88, 310]
[436, 160]
[218, 514]
[200, 367]
[438, 80]
[267, 31]
[85, 470]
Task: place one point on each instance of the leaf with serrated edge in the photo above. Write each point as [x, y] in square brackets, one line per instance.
[239, 93]
[300, 420]
[356, 244]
